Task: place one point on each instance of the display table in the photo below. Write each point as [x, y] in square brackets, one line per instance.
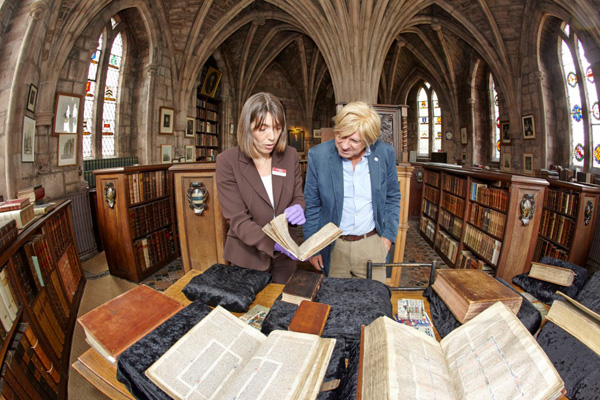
[102, 374]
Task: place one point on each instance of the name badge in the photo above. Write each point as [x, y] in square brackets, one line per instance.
[279, 171]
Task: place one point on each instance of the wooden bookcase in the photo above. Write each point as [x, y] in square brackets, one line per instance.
[137, 228]
[207, 128]
[35, 352]
[568, 222]
[473, 218]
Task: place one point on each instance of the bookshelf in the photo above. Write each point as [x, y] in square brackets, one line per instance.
[35, 351]
[472, 218]
[207, 128]
[568, 221]
[137, 227]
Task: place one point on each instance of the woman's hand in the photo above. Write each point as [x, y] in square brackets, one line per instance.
[284, 251]
[295, 214]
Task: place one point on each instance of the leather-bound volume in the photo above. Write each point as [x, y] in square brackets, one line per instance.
[469, 292]
[115, 325]
[310, 317]
[302, 285]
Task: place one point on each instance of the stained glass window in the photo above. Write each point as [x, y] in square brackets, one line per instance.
[495, 117]
[110, 97]
[88, 108]
[423, 99]
[582, 99]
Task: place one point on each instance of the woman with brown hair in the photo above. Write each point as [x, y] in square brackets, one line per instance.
[256, 181]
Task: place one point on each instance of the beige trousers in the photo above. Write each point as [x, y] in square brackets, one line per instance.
[349, 259]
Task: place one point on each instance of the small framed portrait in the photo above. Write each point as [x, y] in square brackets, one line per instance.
[296, 139]
[211, 82]
[28, 146]
[166, 121]
[528, 127]
[504, 132]
[463, 135]
[190, 150]
[32, 97]
[505, 162]
[231, 129]
[528, 163]
[67, 149]
[166, 153]
[190, 127]
[316, 133]
[68, 113]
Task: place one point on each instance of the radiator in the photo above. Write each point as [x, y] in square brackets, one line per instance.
[89, 166]
[82, 223]
[593, 262]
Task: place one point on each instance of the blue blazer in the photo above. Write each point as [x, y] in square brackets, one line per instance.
[324, 191]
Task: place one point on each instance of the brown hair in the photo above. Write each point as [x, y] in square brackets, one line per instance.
[254, 111]
[361, 117]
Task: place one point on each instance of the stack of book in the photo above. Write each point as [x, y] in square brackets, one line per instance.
[35, 194]
[21, 210]
[8, 233]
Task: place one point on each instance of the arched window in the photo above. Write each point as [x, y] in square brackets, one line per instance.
[100, 112]
[430, 121]
[582, 98]
[495, 118]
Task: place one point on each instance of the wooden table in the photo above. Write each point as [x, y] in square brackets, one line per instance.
[103, 375]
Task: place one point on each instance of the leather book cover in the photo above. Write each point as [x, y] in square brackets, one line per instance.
[115, 325]
[302, 285]
[468, 292]
[310, 317]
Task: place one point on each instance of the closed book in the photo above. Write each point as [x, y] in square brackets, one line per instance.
[552, 274]
[115, 325]
[22, 216]
[302, 285]
[8, 233]
[310, 317]
[468, 292]
[14, 204]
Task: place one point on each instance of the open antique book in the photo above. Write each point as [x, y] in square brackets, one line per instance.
[277, 230]
[224, 358]
[492, 356]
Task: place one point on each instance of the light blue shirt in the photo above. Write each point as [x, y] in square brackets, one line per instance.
[357, 213]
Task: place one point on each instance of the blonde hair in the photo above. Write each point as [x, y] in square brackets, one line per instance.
[358, 116]
[255, 111]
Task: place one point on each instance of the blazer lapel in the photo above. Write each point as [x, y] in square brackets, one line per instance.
[337, 179]
[251, 175]
[277, 162]
[374, 173]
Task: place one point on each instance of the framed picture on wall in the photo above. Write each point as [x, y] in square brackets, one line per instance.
[390, 127]
[505, 162]
[68, 113]
[166, 153]
[316, 133]
[528, 163]
[28, 145]
[504, 132]
[167, 116]
[528, 127]
[190, 151]
[211, 82]
[296, 139]
[67, 149]
[32, 97]
[190, 127]
[463, 135]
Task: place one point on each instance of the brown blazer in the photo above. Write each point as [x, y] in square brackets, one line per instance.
[245, 204]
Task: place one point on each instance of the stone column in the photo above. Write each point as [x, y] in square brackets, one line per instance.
[151, 114]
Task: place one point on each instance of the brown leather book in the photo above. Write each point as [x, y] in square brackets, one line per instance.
[302, 285]
[310, 317]
[469, 292]
[115, 325]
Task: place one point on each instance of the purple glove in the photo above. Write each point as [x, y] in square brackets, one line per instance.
[295, 214]
[284, 251]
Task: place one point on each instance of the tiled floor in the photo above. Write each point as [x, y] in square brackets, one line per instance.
[416, 250]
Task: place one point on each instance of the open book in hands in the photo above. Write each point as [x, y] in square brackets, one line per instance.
[277, 230]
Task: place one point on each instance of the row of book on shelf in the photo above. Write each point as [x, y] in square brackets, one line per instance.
[147, 185]
[490, 196]
[561, 201]
[464, 361]
[203, 139]
[455, 185]
[206, 154]
[557, 228]
[207, 114]
[206, 127]
[485, 245]
[149, 217]
[154, 248]
[488, 219]
[454, 204]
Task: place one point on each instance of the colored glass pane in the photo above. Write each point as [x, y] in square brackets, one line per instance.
[423, 144]
[596, 111]
[572, 79]
[576, 113]
[436, 144]
[495, 114]
[597, 154]
[589, 74]
[579, 153]
[498, 145]
[574, 100]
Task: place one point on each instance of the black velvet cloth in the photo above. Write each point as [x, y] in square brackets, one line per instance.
[546, 291]
[233, 288]
[354, 302]
[134, 361]
[445, 322]
[589, 296]
[577, 365]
